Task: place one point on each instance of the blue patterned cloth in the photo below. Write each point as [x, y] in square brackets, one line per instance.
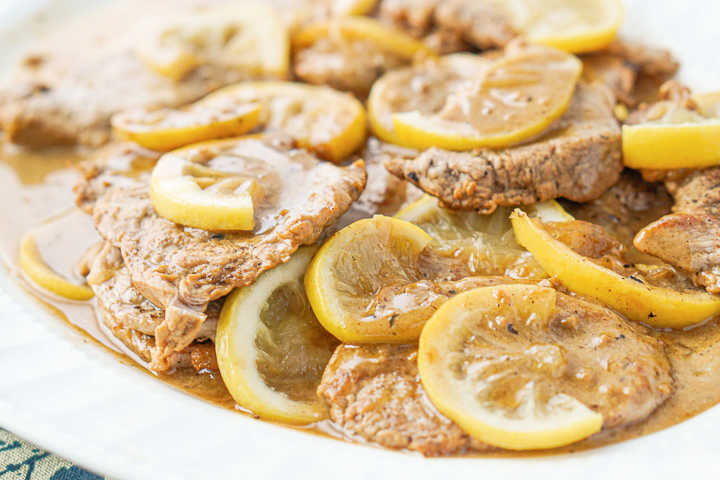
[20, 460]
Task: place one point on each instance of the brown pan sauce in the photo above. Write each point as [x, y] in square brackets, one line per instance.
[37, 194]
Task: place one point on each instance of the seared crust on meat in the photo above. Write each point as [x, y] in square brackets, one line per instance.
[183, 269]
[479, 23]
[689, 238]
[374, 391]
[579, 158]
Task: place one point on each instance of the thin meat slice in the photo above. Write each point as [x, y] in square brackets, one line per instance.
[75, 105]
[384, 193]
[374, 392]
[117, 165]
[609, 364]
[612, 70]
[624, 209]
[689, 238]
[480, 23]
[344, 64]
[132, 319]
[182, 269]
[647, 60]
[579, 158]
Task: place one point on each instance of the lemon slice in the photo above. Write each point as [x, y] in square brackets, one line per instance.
[32, 263]
[421, 88]
[352, 266]
[489, 405]
[576, 26]
[387, 39]
[656, 306]
[330, 123]
[676, 137]
[484, 243]
[249, 37]
[192, 193]
[518, 97]
[167, 129]
[270, 348]
[352, 7]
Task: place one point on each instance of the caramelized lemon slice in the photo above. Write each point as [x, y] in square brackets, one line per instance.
[576, 26]
[196, 195]
[656, 306]
[518, 97]
[249, 37]
[676, 137]
[270, 348]
[38, 271]
[167, 129]
[454, 341]
[352, 266]
[330, 123]
[387, 39]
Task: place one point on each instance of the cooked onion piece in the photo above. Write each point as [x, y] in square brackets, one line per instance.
[350, 269]
[653, 305]
[572, 25]
[385, 38]
[167, 129]
[270, 348]
[518, 96]
[248, 37]
[328, 122]
[498, 386]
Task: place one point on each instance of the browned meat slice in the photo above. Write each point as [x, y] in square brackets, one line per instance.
[647, 60]
[614, 72]
[110, 281]
[626, 208]
[132, 318]
[384, 193]
[612, 366]
[344, 64]
[374, 391]
[183, 269]
[74, 106]
[578, 158]
[689, 238]
[199, 355]
[121, 165]
[480, 23]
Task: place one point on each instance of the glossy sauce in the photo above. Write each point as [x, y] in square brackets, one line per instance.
[37, 194]
[37, 191]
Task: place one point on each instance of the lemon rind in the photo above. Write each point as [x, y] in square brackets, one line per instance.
[235, 338]
[656, 306]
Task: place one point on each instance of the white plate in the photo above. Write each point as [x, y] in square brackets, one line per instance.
[65, 394]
